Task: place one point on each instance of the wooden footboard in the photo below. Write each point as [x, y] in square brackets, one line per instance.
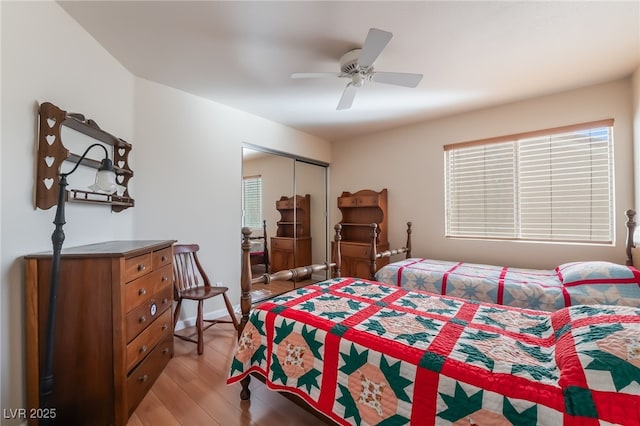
[387, 253]
[296, 274]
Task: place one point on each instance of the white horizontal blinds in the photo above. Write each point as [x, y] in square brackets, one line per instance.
[550, 185]
[481, 190]
[565, 186]
[252, 201]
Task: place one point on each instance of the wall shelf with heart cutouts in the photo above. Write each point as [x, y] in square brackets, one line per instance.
[52, 153]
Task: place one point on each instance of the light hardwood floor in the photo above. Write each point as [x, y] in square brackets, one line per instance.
[192, 391]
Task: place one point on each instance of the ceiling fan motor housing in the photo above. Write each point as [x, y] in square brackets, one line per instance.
[349, 61]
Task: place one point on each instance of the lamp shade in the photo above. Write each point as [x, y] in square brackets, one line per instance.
[105, 178]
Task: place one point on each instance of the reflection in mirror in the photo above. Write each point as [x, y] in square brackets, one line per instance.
[311, 179]
[284, 203]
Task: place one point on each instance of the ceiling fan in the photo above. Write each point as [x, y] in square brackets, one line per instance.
[357, 65]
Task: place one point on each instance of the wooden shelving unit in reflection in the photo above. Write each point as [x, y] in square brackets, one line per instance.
[291, 247]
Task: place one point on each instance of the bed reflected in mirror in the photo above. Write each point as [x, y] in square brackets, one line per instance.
[284, 203]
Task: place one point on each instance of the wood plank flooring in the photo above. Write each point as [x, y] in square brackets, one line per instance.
[192, 391]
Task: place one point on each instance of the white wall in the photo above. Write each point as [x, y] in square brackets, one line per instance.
[409, 161]
[189, 174]
[46, 56]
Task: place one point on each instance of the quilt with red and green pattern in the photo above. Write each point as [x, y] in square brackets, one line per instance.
[368, 353]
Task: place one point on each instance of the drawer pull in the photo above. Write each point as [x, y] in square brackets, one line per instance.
[165, 278]
[142, 292]
[143, 379]
[164, 327]
[163, 258]
[165, 300]
[142, 319]
[165, 351]
[143, 349]
[141, 267]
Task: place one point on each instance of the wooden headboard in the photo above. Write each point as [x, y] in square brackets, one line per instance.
[374, 255]
[631, 248]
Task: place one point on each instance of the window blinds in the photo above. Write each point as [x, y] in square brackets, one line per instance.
[552, 185]
[252, 201]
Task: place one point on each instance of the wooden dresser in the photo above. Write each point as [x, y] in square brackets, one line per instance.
[114, 328]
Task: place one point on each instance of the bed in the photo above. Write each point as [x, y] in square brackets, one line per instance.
[573, 283]
[363, 352]
[259, 252]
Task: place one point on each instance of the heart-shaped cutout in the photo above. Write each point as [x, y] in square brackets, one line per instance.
[121, 151]
[48, 183]
[51, 122]
[50, 139]
[120, 178]
[121, 164]
[49, 160]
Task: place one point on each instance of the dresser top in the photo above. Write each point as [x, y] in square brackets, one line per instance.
[124, 248]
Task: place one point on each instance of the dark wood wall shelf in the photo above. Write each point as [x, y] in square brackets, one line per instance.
[52, 153]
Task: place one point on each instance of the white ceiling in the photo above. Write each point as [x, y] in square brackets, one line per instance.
[472, 54]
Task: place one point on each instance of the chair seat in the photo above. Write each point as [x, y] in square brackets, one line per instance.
[192, 283]
[201, 293]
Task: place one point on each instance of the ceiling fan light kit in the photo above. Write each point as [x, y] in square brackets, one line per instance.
[357, 65]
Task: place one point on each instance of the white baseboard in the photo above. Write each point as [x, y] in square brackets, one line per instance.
[191, 321]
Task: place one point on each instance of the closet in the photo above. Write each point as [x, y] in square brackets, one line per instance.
[281, 177]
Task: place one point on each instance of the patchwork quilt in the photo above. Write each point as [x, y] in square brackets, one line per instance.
[368, 353]
[575, 283]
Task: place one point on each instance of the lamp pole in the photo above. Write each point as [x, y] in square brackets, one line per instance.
[57, 239]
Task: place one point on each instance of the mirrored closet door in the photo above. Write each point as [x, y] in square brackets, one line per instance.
[285, 205]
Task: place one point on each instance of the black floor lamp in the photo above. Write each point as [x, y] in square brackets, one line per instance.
[105, 183]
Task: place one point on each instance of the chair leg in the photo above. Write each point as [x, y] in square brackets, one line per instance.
[230, 309]
[199, 327]
[176, 314]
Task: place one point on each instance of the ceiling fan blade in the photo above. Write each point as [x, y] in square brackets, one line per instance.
[375, 42]
[315, 74]
[397, 78]
[347, 97]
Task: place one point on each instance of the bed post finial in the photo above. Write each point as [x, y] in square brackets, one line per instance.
[374, 247]
[631, 228]
[337, 255]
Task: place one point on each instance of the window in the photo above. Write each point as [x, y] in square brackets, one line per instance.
[252, 201]
[550, 185]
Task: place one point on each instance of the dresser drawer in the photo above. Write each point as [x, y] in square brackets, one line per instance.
[140, 347]
[282, 244]
[142, 377]
[162, 258]
[138, 266]
[139, 318]
[139, 291]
